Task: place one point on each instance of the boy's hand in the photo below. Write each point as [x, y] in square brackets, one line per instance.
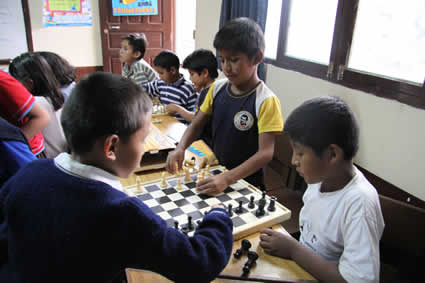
[175, 160]
[172, 109]
[213, 185]
[277, 244]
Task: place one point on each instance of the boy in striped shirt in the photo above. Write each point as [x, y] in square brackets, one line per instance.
[172, 88]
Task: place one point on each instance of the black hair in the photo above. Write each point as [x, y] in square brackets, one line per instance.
[322, 121]
[103, 104]
[64, 72]
[139, 43]
[201, 59]
[31, 66]
[167, 59]
[241, 34]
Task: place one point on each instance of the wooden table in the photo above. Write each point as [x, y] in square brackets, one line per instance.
[267, 269]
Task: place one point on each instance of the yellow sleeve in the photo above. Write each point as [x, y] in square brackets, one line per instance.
[206, 106]
[270, 116]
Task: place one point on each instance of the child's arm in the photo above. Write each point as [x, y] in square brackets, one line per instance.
[151, 88]
[174, 108]
[190, 135]
[38, 120]
[220, 182]
[278, 244]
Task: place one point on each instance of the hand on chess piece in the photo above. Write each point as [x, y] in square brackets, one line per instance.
[278, 244]
[175, 160]
[213, 185]
[172, 108]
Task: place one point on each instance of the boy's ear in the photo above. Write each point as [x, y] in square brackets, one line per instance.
[137, 54]
[204, 73]
[258, 57]
[335, 153]
[174, 70]
[110, 147]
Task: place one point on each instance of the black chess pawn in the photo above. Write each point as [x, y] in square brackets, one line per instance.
[251, 203]
[261, 204]
[189, 223]
[245, 246]
[264, 195]
[271, 206]
[239, 210]
[176, 225]
[230, 210]
[252, 258]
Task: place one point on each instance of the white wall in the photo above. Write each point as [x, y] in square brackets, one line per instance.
[81, 46]
[392, 141]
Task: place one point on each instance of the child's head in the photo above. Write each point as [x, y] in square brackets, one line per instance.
[64, 72]
[133, 48]
[37, 76]
[202, 66]
[105, 122]
[167, 64]
[240, 46]
[321, 130]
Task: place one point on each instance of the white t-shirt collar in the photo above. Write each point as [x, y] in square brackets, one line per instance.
[65, 163]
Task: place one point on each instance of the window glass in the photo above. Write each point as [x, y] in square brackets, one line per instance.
[389, 39]
[271, 34]
[310, 29]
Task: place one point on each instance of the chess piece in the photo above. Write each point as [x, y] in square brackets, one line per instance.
[163, 181]
[239, 210]
[251, 202]
[271, 206]
[230, 210]
[245, 246]
[138, 185]
[207, 171]
[189, 223]
[252, 258]
[187, 177]
[179, 184]
[261, 204]
[176, 225]
[264, 195]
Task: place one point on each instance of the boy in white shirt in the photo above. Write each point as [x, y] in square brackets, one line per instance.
[341, 221]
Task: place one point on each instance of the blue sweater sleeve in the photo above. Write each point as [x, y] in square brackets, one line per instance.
[174, 255]
[14, 155]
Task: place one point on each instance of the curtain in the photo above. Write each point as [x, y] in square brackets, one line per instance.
[253, 9]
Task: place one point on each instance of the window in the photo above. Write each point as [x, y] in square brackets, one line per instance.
[377, 46]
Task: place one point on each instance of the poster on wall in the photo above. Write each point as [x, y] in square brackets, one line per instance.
[67, 13]
[134, 7]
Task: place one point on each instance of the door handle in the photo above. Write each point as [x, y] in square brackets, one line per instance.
[114, 27]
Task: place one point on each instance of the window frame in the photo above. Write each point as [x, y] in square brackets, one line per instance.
[336, 72]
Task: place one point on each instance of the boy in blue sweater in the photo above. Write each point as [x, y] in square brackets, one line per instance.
[68, 220]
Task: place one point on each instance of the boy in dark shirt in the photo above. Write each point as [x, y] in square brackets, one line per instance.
[245, 114]
[67, 219]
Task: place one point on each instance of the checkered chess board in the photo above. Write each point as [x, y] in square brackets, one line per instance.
[174, 204]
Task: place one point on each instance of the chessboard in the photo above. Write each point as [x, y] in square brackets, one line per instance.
[176, 200]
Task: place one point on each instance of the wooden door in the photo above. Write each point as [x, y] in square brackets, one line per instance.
[159, 30]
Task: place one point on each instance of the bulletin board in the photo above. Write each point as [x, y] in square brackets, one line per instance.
[15, 29]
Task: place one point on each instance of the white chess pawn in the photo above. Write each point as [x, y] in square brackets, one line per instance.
[163, 182]
[138, 185]
[187, 177]
[179, 184]
[207, 171]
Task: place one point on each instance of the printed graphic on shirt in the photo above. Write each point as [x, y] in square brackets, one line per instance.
[243, 121]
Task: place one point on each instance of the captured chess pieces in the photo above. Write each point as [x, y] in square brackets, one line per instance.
[252, 259]
[245, 246]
